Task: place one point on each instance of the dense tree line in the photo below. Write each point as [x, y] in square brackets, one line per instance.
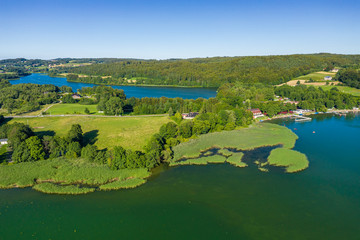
[317, 99]
[209, 72]
[350, 77]
[26, 97]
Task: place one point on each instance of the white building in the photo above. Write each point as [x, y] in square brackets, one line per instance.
[3, 141]
[328, 78]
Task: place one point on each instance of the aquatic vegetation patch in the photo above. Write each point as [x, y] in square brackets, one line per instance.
[65, 171]
[243, 147]
[293, 161]
[61, 189]
[225, 152]
[128, 183]
[257, 135]
[235, 160]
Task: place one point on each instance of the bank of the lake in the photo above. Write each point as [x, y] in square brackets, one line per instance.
[130, 91]
[214, 201]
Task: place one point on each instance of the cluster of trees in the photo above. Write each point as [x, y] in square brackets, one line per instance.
[350, 77]
[28, 147]
[27, 97]
[209, 72]
[171, 134]
[317, 99]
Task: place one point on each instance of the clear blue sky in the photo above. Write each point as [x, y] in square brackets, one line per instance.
[177, 28]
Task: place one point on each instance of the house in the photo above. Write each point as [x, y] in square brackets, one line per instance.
[3, 141]
[327, 78]
[335, 70]
[256, 113]
[190, 115]
[76, 96]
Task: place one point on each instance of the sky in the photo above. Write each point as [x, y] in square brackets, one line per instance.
[160, 29]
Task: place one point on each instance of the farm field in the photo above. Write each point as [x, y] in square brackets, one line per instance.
[129, 132]
[68, 108]
[316, 76]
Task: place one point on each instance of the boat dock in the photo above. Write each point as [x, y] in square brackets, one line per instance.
[299, 118]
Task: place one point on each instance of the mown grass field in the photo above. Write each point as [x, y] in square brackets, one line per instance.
[104, 132]
[316, 76]
[67, 108]
[66, 171]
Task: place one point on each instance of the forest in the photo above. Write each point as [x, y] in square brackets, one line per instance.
[208, 72]
[350, 77]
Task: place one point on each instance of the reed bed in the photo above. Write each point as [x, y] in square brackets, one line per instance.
[257, 135]
[59, 189]
[128, 183]
[235, 160]
[293, 161]
[66, 171]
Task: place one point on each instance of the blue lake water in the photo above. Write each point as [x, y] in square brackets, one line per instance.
[130, 91]
[216, 201]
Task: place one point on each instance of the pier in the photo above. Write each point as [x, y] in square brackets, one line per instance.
[299, 118]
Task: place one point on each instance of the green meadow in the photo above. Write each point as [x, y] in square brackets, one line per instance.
[316, 76]
[68, 108]
[104, 132]
[344, 89]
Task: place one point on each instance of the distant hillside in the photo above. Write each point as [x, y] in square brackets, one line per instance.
[209, 72]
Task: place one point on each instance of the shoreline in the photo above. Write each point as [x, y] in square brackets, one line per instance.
[311, 113]
[134, 85]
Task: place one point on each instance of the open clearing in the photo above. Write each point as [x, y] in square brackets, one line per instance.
[68, 108]
[130, 133]
[316, 76]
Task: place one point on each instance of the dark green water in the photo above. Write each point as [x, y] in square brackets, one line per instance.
[214, 201]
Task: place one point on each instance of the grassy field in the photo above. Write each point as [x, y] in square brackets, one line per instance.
[67, 108]
[293, 161]
[257, 135]
[129, 132]
[344, 89]
[65, 171]
[316, 76]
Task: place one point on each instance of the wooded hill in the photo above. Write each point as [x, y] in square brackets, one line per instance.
[210, 72]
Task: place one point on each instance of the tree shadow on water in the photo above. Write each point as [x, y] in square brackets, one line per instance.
[91, 137]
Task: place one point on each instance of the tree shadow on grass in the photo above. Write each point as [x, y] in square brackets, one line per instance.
[91, 137]
[45, 133]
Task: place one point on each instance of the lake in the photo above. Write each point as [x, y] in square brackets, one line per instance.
[216, 201]
[130, 91]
